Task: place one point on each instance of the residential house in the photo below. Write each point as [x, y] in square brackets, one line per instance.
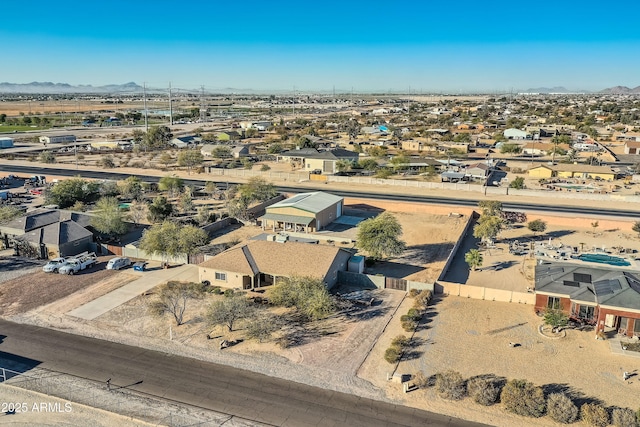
[306, 212]
[478, 171]
[311, 159]
[260, 263]
[542, 148]
[185, 141]
[608, 298]
[514, 133]
[579, 171]
[54, 232]
[632, 147]
[240, 151]
[231, 135]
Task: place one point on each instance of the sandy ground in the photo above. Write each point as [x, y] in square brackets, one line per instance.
[473, 337]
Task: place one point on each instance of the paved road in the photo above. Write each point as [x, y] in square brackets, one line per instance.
[216, 387]
[452, 201]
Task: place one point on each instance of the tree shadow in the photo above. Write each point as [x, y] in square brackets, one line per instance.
[428, 252]
[500, 266]
[411, 352]
[572, 393]
[298, 332]
[558, 233]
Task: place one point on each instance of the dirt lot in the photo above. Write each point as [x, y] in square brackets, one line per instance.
[32, 290]
[472, 337]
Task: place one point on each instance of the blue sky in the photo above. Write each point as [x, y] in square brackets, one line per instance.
[491, 45]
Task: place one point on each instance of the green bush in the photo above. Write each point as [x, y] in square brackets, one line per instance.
[484, 391]
[594, 414]
[392, 355]
[400, 342]
[523, 398]
[414, 314]
[623, 417]
[450, 385]
[407, 323]
[561, 408]
[216, 290]
[228, 293]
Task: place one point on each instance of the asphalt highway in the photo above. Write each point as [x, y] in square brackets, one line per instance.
[452, 201]
[206, 385]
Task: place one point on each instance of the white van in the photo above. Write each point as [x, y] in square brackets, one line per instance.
[118, 262]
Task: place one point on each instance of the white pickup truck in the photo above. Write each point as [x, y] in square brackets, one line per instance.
[78, 263]
[54, 265]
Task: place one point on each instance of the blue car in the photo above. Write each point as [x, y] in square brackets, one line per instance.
[139, 266]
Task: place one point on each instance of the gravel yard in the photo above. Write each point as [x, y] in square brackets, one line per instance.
[35, 288]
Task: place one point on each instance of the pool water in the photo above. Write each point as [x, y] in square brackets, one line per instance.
[575, 187]
[604, 259]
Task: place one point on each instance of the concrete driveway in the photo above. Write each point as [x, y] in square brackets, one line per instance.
[148, 280]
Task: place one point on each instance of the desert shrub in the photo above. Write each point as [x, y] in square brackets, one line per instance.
[484, 391]
[414, 292]
[414, 314]
[228, 293]
[407, 323]
[400, 341]
[451, 385]
[265, 168]
[216, 290]
[392, 355]
[422, 299]
[638, 416]
[420, 379]
[594, 414]
[623, 417]
[523, 398]
[561, 408]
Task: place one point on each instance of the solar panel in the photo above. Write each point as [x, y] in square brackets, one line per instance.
[571, 283]
[633, 282]
[615, 284]
[602, 287]
[581, 277]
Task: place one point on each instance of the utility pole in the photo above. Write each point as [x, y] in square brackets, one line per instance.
[170, 107]
[202, 109]
[146, 113]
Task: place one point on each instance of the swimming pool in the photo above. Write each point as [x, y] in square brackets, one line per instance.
[604, 259]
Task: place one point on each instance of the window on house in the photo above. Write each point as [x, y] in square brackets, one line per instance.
[553, 302]
[586, 312]
[221, 276]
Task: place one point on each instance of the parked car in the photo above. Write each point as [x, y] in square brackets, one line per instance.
[54, 265]
[80, 262]
[118, 262]
[140, 266]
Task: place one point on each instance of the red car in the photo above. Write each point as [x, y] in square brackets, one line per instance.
[36, 191]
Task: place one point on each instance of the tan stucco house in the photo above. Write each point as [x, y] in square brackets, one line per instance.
[260, 263]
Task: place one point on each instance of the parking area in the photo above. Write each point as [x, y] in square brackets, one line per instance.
[35, 288]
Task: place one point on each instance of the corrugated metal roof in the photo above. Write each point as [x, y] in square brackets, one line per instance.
[310, 202]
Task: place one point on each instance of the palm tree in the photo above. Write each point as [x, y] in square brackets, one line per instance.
[473, 258]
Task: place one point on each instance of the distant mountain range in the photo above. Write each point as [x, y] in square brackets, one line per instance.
[134, 88]
[622, 90]
[557, 89]
[61, 88]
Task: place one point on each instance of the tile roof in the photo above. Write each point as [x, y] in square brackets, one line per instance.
[278, 259]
